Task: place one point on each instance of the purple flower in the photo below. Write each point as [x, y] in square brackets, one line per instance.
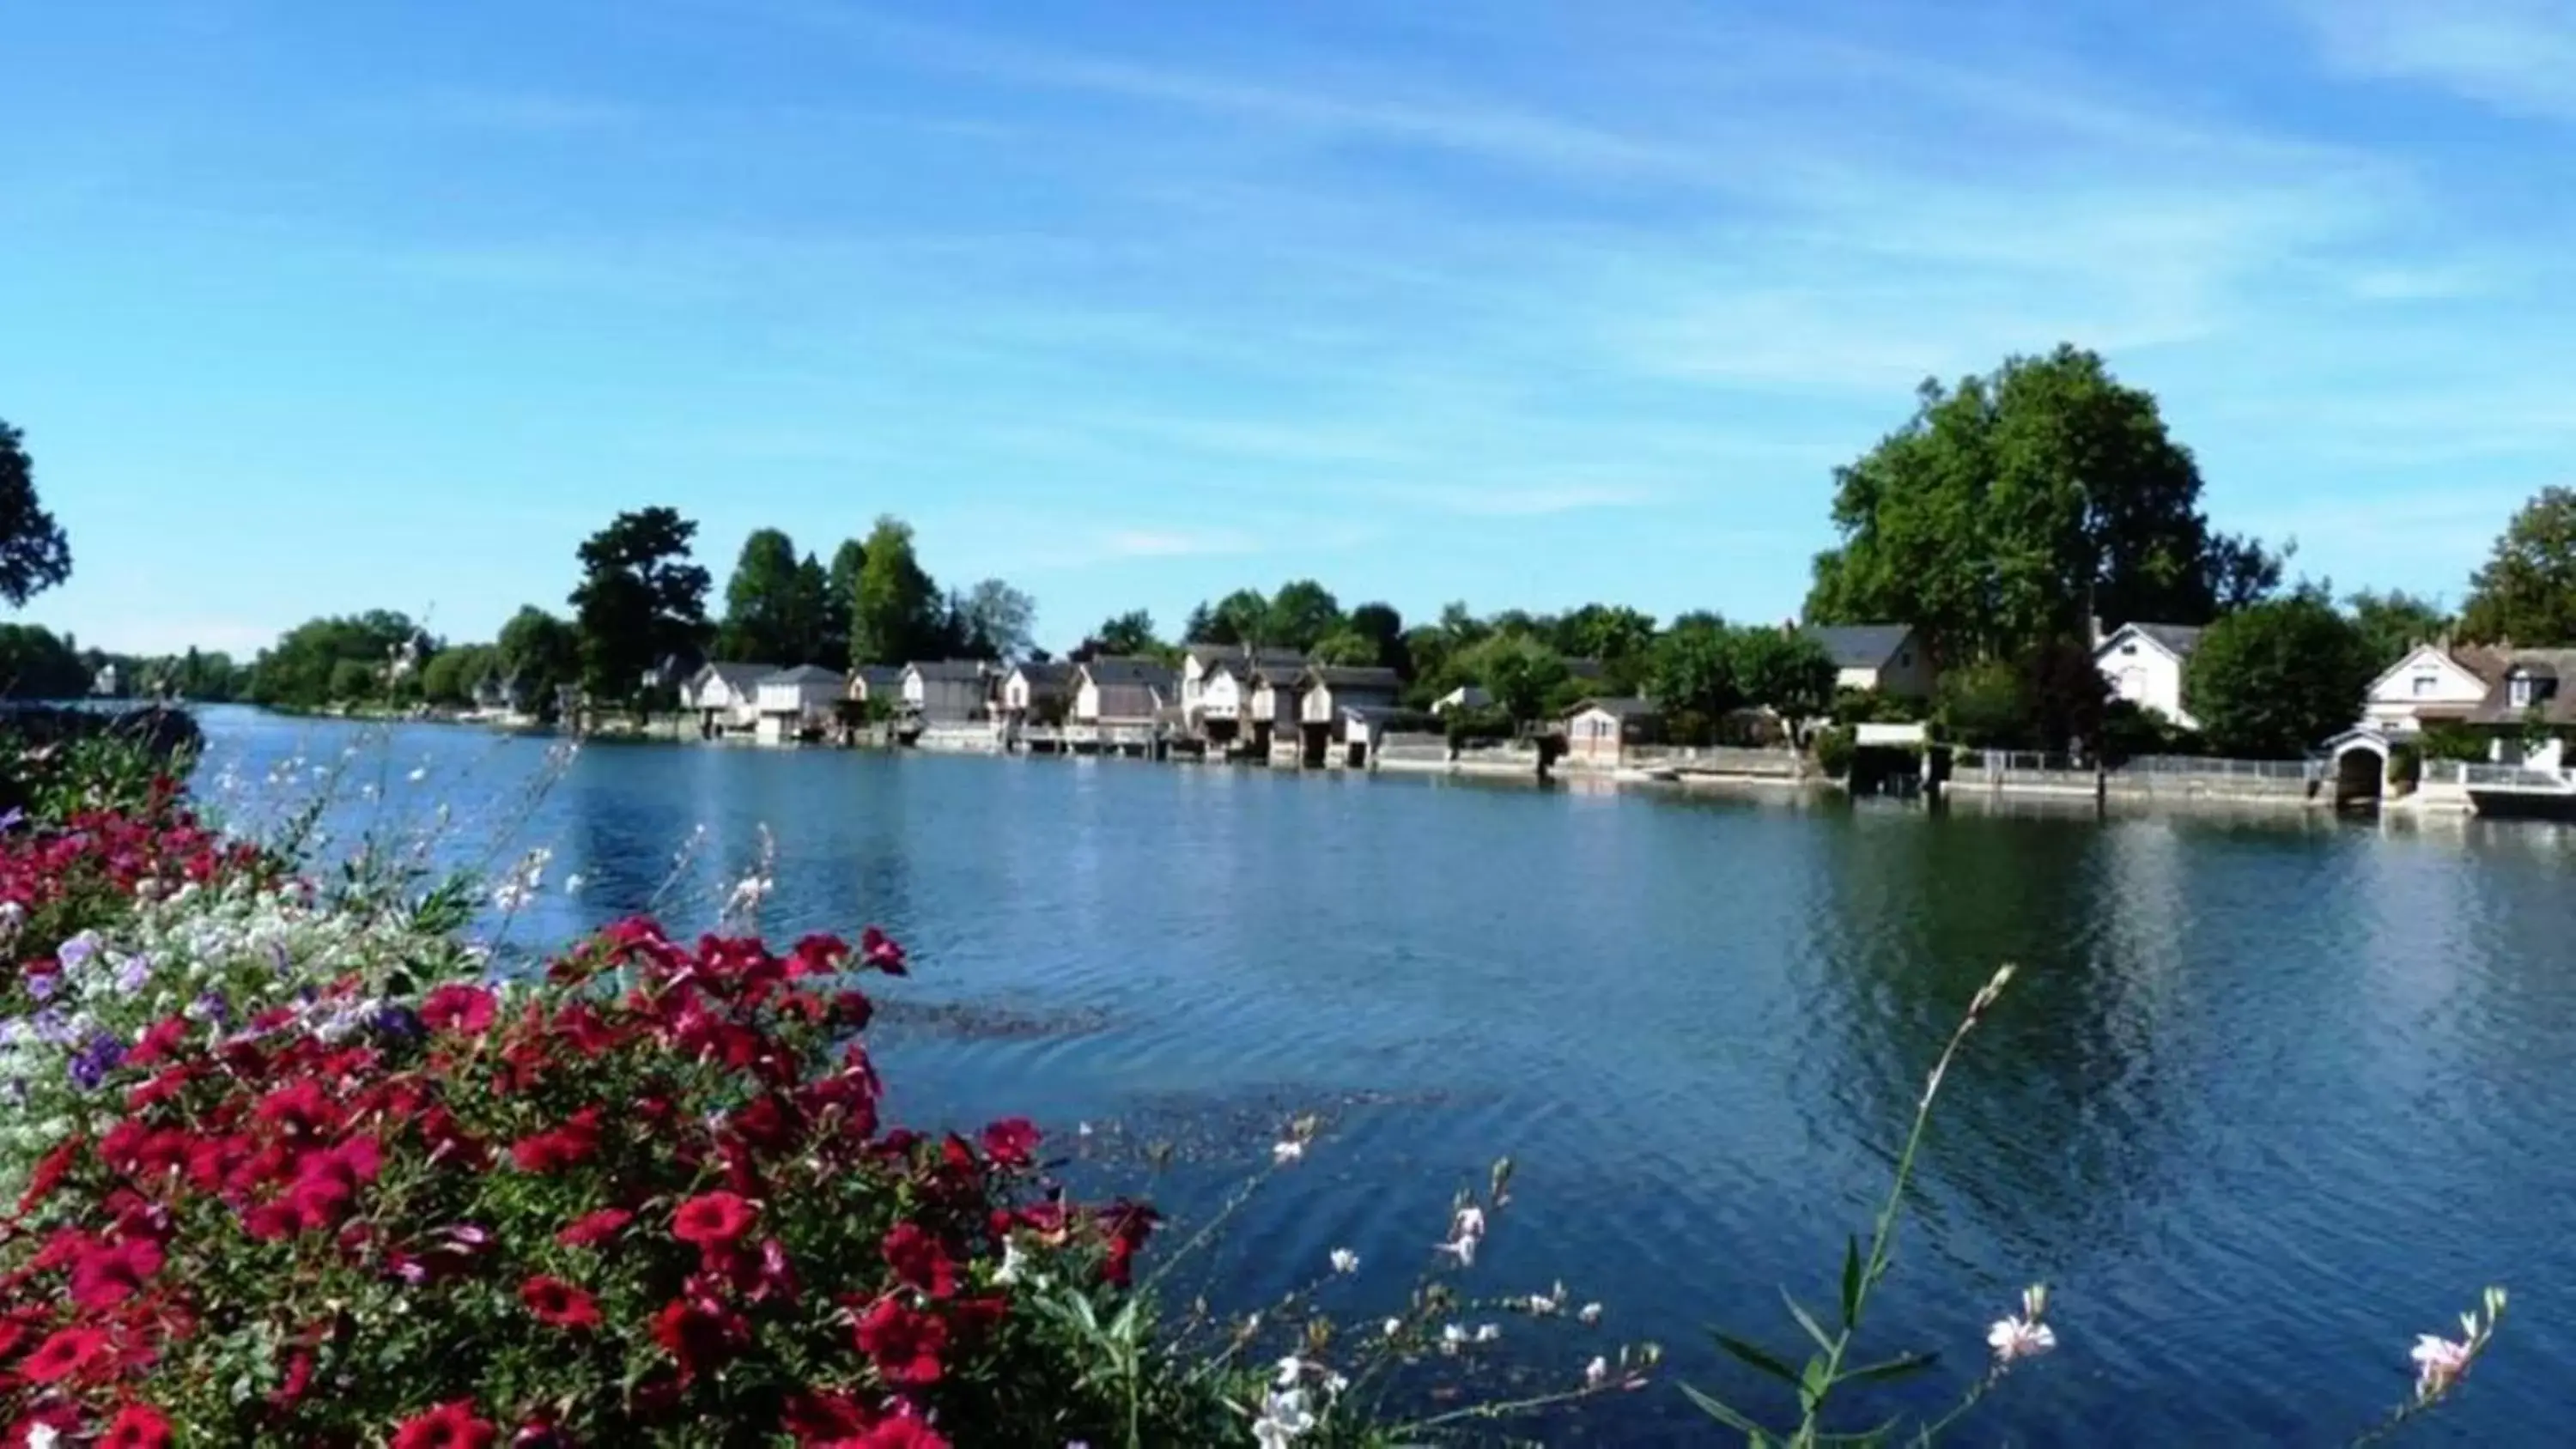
[53, 1027]
[399, 1022]
[98, 1057]
[132, 972]
[42, 986]
[77, 950]
[210, 1007]
[12, 820]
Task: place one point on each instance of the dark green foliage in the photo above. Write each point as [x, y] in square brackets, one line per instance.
[35, 664]
[332, 661]
[539, 654]
[57, 762]
[2393, 623]
[2445, 741]
[1383, 628]
[990, 621]
[1130, 633]
[34, 555]
[768, 618]
[1789, 674]
[1301, 614]
[640, 600]
[897, 617]
[1834, 750]
[2526, 593]
[2405, 766]
[2275, 680]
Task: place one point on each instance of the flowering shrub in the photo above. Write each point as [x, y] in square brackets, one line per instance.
[57, 880]
[648, 1201]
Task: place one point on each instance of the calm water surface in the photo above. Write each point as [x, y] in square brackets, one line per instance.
[2270, 1097]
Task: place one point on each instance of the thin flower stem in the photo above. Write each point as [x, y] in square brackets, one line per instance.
[1507, 1410]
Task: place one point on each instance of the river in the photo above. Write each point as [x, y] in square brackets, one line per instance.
[2269, 1097]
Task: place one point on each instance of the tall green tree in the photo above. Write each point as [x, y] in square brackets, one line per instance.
[2394, 622]
[640, 599]
[766, 620]
[34, 555]
[1692, 670]
[1128, 634]
[1346, 646]
[540, 653]
[1607, 632]
[1522, 674]
[1241, 617]
[992, 620]
[1789, 674]
[35, 663]
[2015, 504]
[840, 599]
[338, 660]
[2275, 680]
[821, 631]
[1383, 628]
[1301, 614]
[2526, 593]
[897, 616]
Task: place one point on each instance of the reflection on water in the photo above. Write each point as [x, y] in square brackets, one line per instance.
[2269, 1097]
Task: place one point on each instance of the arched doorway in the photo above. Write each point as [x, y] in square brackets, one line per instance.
[2360, 769]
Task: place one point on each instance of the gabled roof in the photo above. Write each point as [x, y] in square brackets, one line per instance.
[1354, 676]
[2551, 671]
[735, 675]
[2480, 664]
[949, 671]
[1622, 708]
[1859, 646]
[2178, 640]
[1050, 675]
[874, 677]
[1128, 669]
[805, 674]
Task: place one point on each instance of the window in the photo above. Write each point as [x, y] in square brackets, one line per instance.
[2129, 648]
[2425, 684]
[2522, 691]
[1904, 658]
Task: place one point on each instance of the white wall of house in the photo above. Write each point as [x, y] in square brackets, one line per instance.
[733, 708]
[2145, 673]
[1086, 701]
[1220, 695]
[2428, 678]
[942, 698]
[800, 698]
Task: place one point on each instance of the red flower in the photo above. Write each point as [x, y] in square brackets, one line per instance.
[903, 1433]
[592, 1229]
[465, 1010]
[904, 1345]
[559, 1304]
[107, 1276]
[302, 1110]
[819, 1416]
[137, 1426]
[449, 1426]
[698, 1333]
[919, 1260]
[713, 1220]
[299, 1377]
[49, 1173]
[1011, 1141]
[879, 950]
[160, 1041]
[559, 1147]
[68, 1353]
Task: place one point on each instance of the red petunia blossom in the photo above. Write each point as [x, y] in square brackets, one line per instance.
[160, 1041]
[880, 951]
[698, 1333]
[455, 1007]
[137, 1426]
[903, 1344]
[901, 1433]
[49, 1173]
[559, 1304]
[449, 1426]
[559, 1147]
[919, 1261]
[108, 1275]
[592, 1229]
[68, 1354]
[272, 1222]
[299, 1377]
[713, 1220]
[1011, 1142]
[822, 1416]
[302, 1110]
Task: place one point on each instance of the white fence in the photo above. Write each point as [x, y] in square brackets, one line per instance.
[2520, 777]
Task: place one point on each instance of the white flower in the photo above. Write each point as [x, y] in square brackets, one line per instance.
[2439, 1363]
[1544, 1305]
[1464, 1250]
[1284, 1417]
[1345, 1261]
[1591, 1313]
[1394, 1326]
[2014, 1339]
[1452, 1338]
[44, 1436]
[1470, 1222]
[1287, 1152]
[573, 883]
[1334, 1384]
[1487, 1333]
[418, 774]
[1014, 1263]
[1596, 1373]
[1291, 1369]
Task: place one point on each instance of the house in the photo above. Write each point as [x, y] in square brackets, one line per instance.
[1037, 691]
[104, 683]
[1326, 689]
[795, 702]
[876, 682]
[1878, 658]
[2147, 665]
[1598, 731]
[725, 696]
[1271, 714]
[1118, 691]
[2530, 711]
[1465, 696]
[2437, 683]
[1217, 683]
[499, 693]
[948, 691]
[673, 670]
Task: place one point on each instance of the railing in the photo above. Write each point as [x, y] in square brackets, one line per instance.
[2199, 765]
[2516, 777]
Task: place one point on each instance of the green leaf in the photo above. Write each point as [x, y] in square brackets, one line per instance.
[1851, 1279]
[1902, 1366]
[1813, 1385]
[1756, 1357]
[1807, 1321]
[1754, 1434]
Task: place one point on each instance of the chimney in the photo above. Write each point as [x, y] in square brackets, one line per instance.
[2093, 630]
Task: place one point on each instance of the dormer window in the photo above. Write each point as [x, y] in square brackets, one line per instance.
[2523, 689]
[2425, 684]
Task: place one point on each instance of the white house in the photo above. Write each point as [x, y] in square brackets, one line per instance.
[1599, 731]
[1881, 658]
[2147, 664]
[2528, 716]
[1122, 691]
[2434, 683]
[948, 690]
[794, 701]
[725, 696]
[1325, 690]
[1036, 690]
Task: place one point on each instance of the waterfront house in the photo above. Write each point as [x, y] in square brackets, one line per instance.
[673, 671]
[2530, 711]
[1884, 659]
[1037, 692]
[2148, 665]
[794, 703]
[104, 683]
[1217, 683]
[725, 696]
[1336, 700]
[1599, 731]
[876, 683]
[2437, 683]
[1123, 692]
[1271, 716]
[948, 691]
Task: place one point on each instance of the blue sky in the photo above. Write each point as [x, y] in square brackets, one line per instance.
[309, 308]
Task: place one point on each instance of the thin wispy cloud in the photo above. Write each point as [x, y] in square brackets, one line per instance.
[2518, 56]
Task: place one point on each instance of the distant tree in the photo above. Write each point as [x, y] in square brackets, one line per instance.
[2526, 593]
[1607, 632]
[2064, 693]
[1301, 614]
[2393, 623]
[766, 618]
[2241, 571]
[1693, 670]
[1521, 674]
[34, 555]
[540, 653]
[1383, 627]
[2014, 504]
[1345, 647]
[1985, 705]
[1200, 628]
[1129, 633]
[897, 616]
[840, 599]
[35, 664]
[443, 679]
[304, 669]
[1241, 617]
[821, 632]
[2274, 680]
[639, 600]
[355, 681]
[992, 620]
[1789, 674]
